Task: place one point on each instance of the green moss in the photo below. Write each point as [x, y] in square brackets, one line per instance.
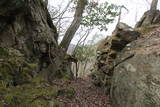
[98, 78]
[67, 77]
[18, 88]
[40, 103]
[1, 104]
[14, 52]
[15, 99]
[37, 93]
[14, 74]
[3, 53]
[66, 92]
[62, 75]
[38, 81]
[57, 74]
[14, 69]
[54, 103]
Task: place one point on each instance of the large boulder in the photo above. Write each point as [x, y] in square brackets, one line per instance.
[136, 78]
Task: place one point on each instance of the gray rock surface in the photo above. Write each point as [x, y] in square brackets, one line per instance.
[149, 18]
[26, 25]
[136, 81]
[107, 52]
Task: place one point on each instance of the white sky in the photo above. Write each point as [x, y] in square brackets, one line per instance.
[136, 9]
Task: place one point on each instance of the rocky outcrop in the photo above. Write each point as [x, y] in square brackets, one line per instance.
[29, 55]
[128, 67]
[149, 18]
[26, 25]
[136, 81]
[20, 86]
[107, 53]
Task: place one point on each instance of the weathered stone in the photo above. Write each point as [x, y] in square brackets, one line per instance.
[108, 50]
[29, 55]
[26, 25]
[136, 81]
[149, 18]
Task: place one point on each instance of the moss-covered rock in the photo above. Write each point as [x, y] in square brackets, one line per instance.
[26, 26]
[14, 69]
[97, 78]
[66, 92]
[54, 103]
[107, 52]
[30, 95]
[19, 88]
[37, 93]
[136, 81]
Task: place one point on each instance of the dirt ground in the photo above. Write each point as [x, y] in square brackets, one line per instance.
[86, 95]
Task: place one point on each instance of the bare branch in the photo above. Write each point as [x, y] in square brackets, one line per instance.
[82, 39]
[63, 12]
[148, 2]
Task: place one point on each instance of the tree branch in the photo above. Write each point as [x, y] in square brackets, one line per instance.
[154, 5]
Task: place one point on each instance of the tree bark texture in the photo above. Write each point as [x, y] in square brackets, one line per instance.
[154, 5]
[74, 25]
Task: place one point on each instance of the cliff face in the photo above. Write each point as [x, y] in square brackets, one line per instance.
[25, 21]
[136, 81]
[26, 26]
[128, 67]
[29, 55]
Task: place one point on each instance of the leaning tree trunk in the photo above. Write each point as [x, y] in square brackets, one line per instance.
[74, 25]
[26, 25]
[154, 5]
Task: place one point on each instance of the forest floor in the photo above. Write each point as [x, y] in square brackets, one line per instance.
[86, 94]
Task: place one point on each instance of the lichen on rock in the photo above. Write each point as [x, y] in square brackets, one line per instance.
[20, 88]
[135, 82]
[14, 70]
[107, 53]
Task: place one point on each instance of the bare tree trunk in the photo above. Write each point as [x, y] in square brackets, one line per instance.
[154, 5]
[84, 37]
[74, 25]
[63, 12]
